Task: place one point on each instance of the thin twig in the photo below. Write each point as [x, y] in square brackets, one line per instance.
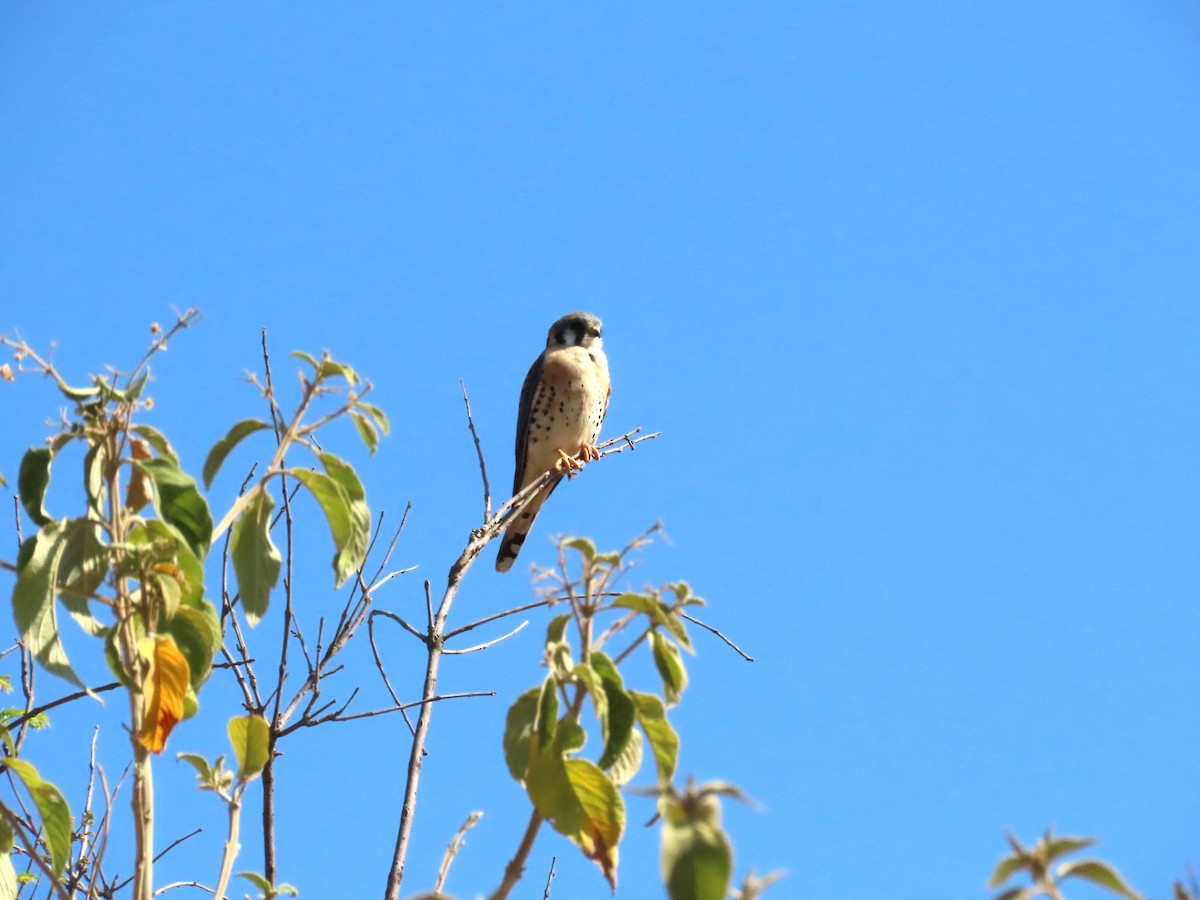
[175, 843]
[452, 850]
[500, 615]
[708, 627]
[388, 614]
[338, 717]
[549, 878]
[487, 491]
[491, 643]
[46, 707]
[183, 884]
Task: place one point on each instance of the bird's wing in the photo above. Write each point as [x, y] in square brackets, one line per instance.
[527, 391]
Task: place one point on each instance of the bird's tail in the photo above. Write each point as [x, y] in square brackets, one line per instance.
[514, 537]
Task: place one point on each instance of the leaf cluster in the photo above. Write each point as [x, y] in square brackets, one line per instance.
[544, 736]
[1041, 864]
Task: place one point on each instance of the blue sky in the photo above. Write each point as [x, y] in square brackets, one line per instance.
[910, 290]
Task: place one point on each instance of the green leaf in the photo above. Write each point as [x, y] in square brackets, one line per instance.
[167, 587]
[255, 879]
[1061, 846]
[57, 824]
[211, 778]
[179, 503]
[518, 731]
[250, 736]
[331, 367]
[660, 612]
[306, 357]
[1098, 873]
[169, 546]
[604, 815]
[197, 633]
[138, 384]
[678, 630]
[697, 860]
[94, 462]
[223, 447]
[381, 420]
[8, 875]
[557, 629]
[79, 394]
[640, 602]
[629, 762]
[270, 891]
[33, 479]
[366, 430]
[353, 554]
[670, 667]
[1017, 893]
[586, 548]
[682, 590]
[112, 655]
[33, 601]
[256, 559]
[157, 440]
[547, 717]
[558, 648]
[570, 736]
[81, 571]
[617, 725]
[588, 677]
[203, 771]
[348, 518]
[1005, 870]
[664, 742]
[580, 801]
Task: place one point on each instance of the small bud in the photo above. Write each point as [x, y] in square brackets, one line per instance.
[6, 373]
[155, 328]
[148, 403]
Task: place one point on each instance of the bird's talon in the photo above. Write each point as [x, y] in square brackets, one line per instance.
[569, 466]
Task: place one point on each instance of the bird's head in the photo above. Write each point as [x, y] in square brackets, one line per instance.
[577, 329]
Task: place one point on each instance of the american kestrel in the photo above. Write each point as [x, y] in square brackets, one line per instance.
[563, 403]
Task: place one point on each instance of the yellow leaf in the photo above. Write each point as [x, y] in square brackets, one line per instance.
[164, 690]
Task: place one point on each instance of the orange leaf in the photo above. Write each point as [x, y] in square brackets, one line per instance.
[164, 689]
[138, 493]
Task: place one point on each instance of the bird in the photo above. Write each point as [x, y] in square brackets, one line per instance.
[563, 403]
